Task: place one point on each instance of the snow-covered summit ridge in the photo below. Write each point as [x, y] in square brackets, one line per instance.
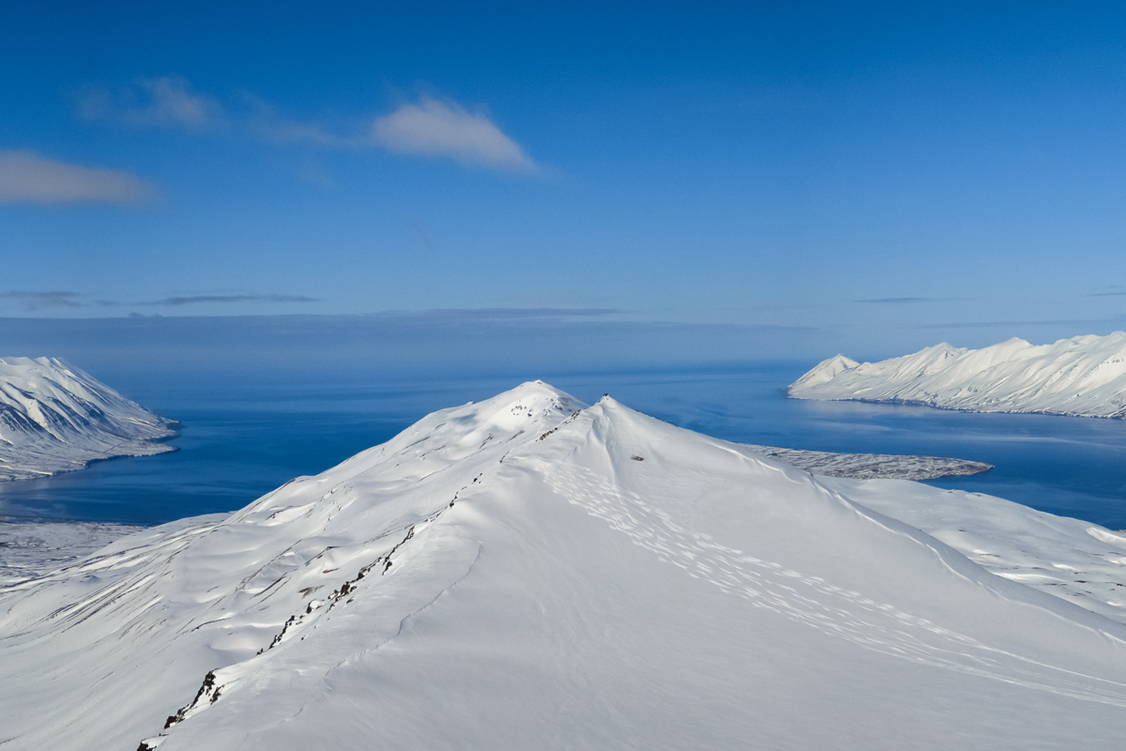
[516, 410]
[522, 572]
[451, 434]
[827, 369]
[1082, 375]
[55, 418]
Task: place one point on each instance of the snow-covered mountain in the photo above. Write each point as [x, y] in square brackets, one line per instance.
[56, 418]
[527, 572]
[1084, 375]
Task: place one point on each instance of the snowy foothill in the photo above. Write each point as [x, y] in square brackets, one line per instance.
[56, 418]
[1082, 376]
[532, 572]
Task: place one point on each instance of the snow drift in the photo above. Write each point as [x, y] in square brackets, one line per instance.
[1083, 376]
[527, 572]
[56, 418]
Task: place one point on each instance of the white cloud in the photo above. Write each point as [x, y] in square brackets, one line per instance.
[26, 177]
[429, 126]
[167, 100]
[437, 127]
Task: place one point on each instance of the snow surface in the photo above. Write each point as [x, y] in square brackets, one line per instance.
[528, 573]
[55, 418]
[32, 548]
[1076, 560]
[1083, 376]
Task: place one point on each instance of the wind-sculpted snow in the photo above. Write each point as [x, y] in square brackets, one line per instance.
[1072, 559]
[56, 418]
[527, 572]
[1083, 376]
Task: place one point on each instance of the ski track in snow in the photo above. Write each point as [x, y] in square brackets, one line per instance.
[810, 600]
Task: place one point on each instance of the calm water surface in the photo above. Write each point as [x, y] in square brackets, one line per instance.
[241, 439]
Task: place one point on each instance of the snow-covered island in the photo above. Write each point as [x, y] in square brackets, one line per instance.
[1082, 376]
[531, 572]
[56, 418]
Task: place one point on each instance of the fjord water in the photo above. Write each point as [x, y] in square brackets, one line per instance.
[243, 437]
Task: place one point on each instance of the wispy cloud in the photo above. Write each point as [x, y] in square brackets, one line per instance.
[287, 132]
[181, 300]
[905, 300]
[1108, 290]
[496, 315]
[41, 300]
[34, 300]
[26, 177]
[443, 128]
[147, 102]
[264, 121]
[528, 312]
[1110, 321]
[429, 126]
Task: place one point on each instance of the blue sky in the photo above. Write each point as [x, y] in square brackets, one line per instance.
[761, 180]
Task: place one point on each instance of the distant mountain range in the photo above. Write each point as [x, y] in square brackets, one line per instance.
[529, 572]
[1083, 376]
[56, 418]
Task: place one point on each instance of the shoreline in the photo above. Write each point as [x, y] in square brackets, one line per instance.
[159, 443]
[965, 410]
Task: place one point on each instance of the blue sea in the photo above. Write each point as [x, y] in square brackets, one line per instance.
[241, 438]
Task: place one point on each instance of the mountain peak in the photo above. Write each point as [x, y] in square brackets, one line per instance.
[826, 370]
[537, 388]
[531, 401]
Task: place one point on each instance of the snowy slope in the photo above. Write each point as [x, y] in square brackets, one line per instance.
[33, 548]
[528, 573]
[56, 418]
[30, 549]
[1072, 559]
[1084, 375]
